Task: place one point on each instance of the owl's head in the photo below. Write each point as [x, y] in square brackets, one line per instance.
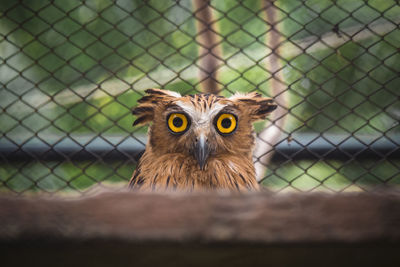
[201, 126]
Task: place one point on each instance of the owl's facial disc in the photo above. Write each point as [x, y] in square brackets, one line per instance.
[201, 151]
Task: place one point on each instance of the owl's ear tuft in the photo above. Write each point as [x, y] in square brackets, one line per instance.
[258, 106]
[145, 111]
[160, 92]
[140, 110]
[141, 120]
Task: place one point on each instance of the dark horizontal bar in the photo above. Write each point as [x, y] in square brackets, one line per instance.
[300, 146]
[77, 148]
[341, 147]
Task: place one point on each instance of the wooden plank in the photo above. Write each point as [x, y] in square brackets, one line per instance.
[221, 229]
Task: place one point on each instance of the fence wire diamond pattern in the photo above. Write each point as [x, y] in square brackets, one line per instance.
[71, 71]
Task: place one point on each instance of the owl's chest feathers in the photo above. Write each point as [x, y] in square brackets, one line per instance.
[177, 172]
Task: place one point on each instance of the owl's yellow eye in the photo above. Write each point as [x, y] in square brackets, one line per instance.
[226, 123]
[178, 123]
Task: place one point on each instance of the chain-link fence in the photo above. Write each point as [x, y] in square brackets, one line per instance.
[71, 71]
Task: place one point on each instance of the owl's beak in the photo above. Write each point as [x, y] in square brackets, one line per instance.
[201, 151]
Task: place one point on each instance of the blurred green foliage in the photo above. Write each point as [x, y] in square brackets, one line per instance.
[73, 67]
[70, 177]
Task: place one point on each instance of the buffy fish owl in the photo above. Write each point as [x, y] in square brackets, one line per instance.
[198, 142]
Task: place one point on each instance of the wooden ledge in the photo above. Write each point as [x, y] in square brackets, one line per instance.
[164, 225]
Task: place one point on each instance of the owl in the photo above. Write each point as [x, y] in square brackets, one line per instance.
[198, 142]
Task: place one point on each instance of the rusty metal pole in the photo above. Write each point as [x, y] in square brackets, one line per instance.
[269, 137]
[209, 51]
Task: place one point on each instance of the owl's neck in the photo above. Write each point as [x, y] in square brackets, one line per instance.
[178, 172]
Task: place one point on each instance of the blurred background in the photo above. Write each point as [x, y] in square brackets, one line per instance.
[71, 72]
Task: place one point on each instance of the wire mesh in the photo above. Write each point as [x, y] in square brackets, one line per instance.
[71, 71]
